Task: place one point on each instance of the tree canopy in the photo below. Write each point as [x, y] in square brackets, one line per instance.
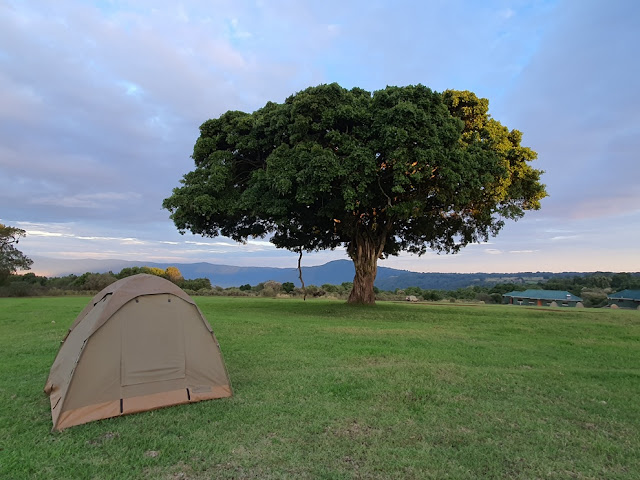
[399, 169]
[11, 259]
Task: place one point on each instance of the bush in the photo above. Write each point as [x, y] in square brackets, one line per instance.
[385, 296]
[268, 292]
[594, 297]
[20, 289]
[196, 284]
[315, 291]
[431, 295]
[484, 297]
[415, 291]
[235, 292]
[327, 287]
[497, 298]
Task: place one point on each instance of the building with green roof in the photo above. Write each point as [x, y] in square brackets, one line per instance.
[624, 299]
[542, 298]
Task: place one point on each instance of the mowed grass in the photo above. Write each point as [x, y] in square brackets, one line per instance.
[330, 391]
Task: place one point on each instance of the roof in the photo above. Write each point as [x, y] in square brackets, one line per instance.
[626, 295]
[544, 295]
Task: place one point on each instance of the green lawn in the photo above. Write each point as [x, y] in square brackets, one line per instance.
[327, 390]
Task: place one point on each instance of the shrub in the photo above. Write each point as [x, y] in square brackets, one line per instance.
[20, 289]
[327, 287]
[497, 298]
[235, 292]
[431, 295]
[196, 284]
[484, 297]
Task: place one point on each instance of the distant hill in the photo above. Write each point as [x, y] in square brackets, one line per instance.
[225, 276]
[335, 272]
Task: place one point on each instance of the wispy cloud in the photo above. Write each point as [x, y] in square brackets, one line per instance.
[92, 200]
[40, 233]
[506, 14]
[214, 244]
[261, 243]
[132, 241]
[564, 237]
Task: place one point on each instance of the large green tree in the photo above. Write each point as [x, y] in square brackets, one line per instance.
[11, 259]
[399, 169]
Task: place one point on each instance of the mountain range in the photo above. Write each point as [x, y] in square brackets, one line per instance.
[335, 272]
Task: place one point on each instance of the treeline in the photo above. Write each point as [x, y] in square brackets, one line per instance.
[592, 288]
[612, 282]
[30, 284]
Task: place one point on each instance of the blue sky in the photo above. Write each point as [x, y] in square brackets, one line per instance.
[100, 104]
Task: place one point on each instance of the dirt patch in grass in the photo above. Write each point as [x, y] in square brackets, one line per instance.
[447, 373]
[352, 430]
[102, 439]
[179, 471]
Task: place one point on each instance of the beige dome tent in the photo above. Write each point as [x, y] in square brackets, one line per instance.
[140, 344]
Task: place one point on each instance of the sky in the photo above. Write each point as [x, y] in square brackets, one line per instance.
[100, 104]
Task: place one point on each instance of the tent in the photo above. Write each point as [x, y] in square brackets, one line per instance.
[140, 344]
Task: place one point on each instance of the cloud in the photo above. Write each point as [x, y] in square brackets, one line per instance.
[506, 14]
[116, 94]
[100, 105]
[564, 237]
[39, 233]
[260, 243]
[235, 32]
[208, 244]
[577, 103]
[132, 241]
[102, 200]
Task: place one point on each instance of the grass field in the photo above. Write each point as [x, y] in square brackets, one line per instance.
[330, 391]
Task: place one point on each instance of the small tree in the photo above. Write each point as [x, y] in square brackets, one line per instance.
[130, 271]
[399, 169]
[11, 259]
[271, 288]
[174, 275]
[197, 284]
[98, 281]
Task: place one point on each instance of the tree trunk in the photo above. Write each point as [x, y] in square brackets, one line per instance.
[304, 289]
[364, 252]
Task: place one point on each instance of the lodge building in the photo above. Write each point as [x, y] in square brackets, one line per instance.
[542, 298]
[624, 299]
